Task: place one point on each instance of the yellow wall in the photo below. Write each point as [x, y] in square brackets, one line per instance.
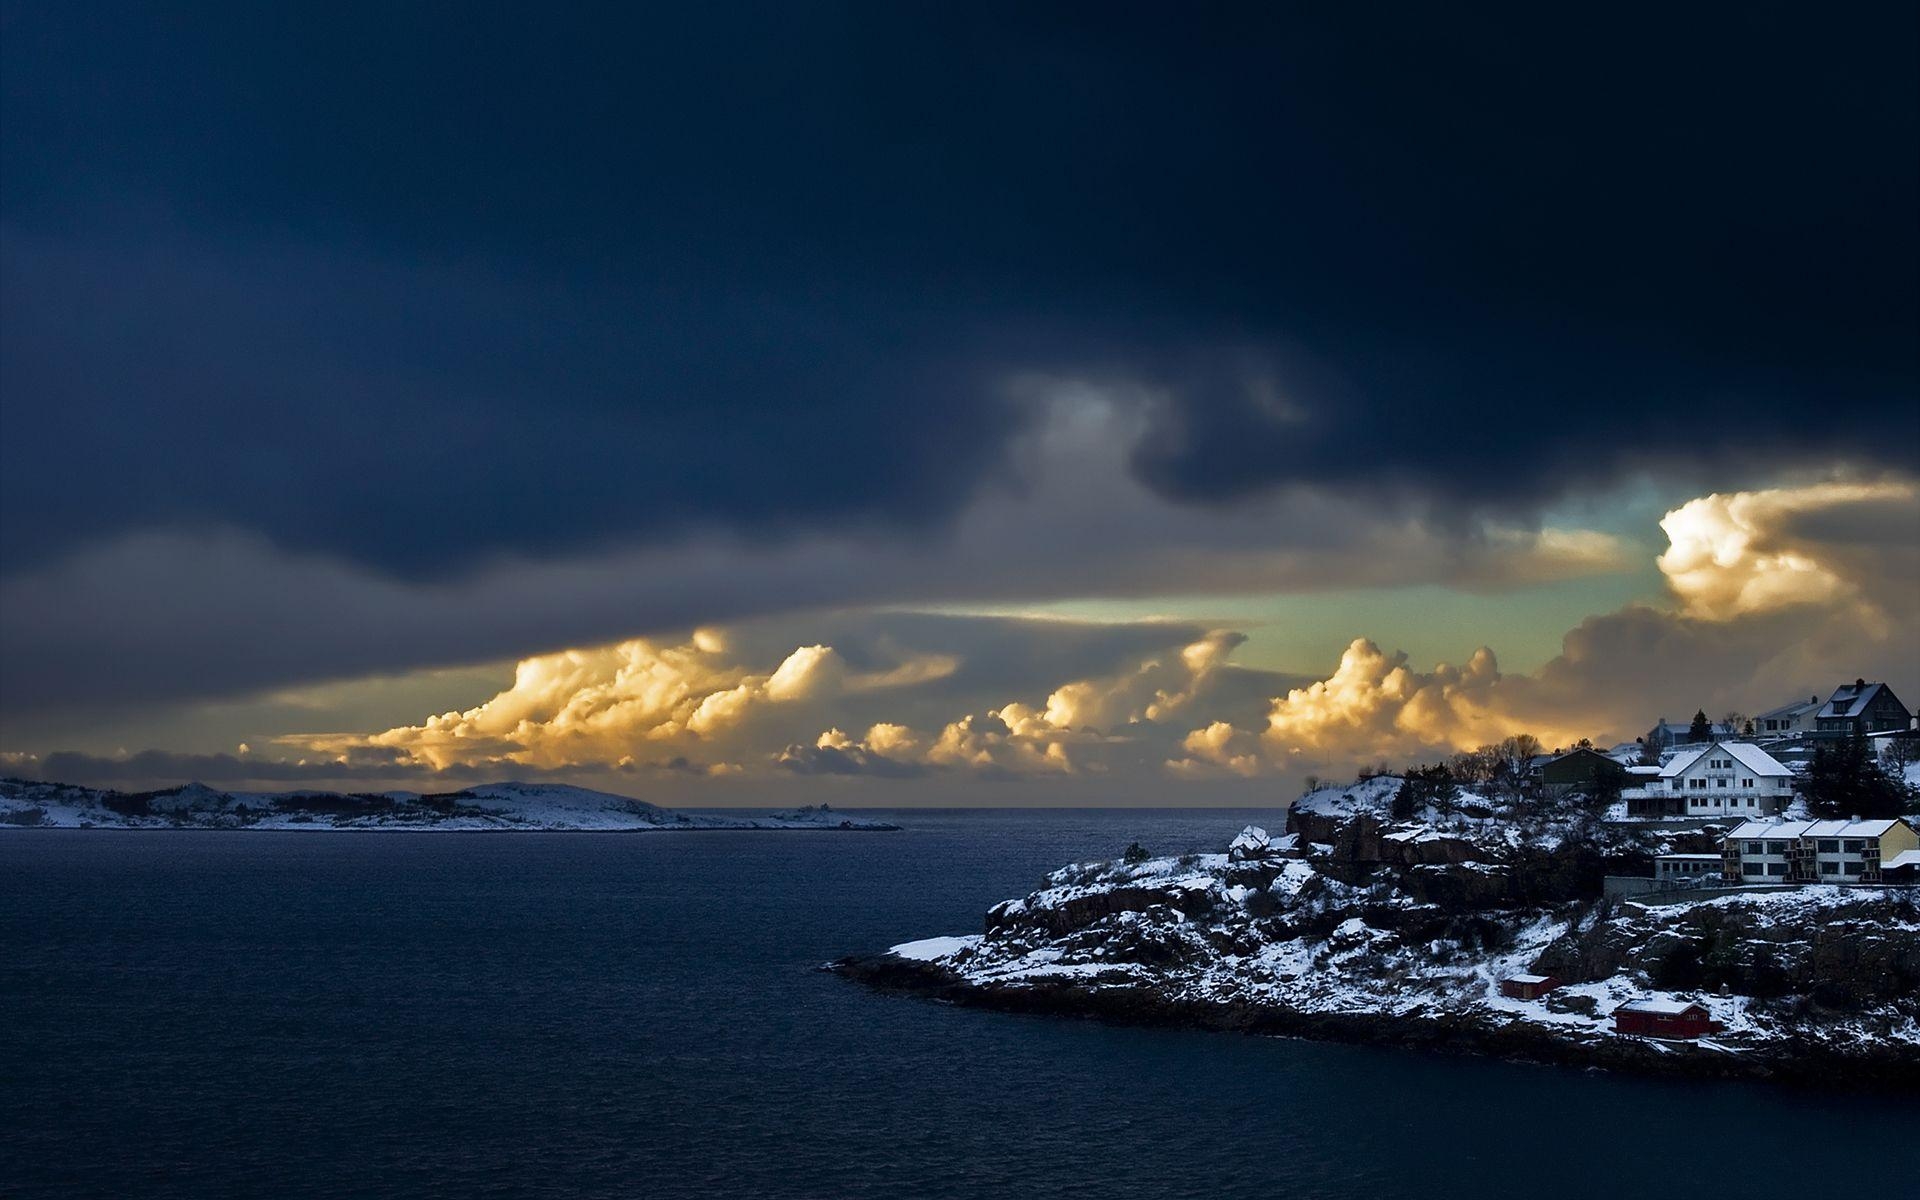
[1900, 837]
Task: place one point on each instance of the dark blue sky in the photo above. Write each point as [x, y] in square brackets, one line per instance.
[351, 354]
[414, 284]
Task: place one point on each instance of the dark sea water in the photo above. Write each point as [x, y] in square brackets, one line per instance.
[202, 1014]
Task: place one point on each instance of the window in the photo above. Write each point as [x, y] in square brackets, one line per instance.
[1852, 845]
[1776, 868]
[1827, 868]
[1746, 783]
[1756, 848]
[1829, 846]
[1776, 847]
[1721, 782]
[1749, 801]
[1753, 868]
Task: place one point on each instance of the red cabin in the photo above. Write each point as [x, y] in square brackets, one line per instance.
[1663, 1019]
[1527, 987]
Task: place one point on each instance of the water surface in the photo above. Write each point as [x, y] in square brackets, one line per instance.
[208, 1014]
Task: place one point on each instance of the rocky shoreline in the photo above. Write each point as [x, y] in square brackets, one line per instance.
[1441, 1032]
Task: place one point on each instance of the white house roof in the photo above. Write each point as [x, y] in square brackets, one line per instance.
[1850, 699]
[1906, 858]
[1754, 759]
[1748, 755]
[1526, 979]
[1848, 829]
[1687, 857]
[1813, 829]
[1770, 829]
[1670, 1008]
[1684, 759]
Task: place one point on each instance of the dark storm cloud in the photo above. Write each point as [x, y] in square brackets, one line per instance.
[419, 285]
[146, 765]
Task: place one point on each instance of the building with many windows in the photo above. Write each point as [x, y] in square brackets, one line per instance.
[1816, 851]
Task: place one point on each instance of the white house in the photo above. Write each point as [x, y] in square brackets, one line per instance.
[1731, 779]
[1789, 720]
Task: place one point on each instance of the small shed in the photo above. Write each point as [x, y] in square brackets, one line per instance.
[1679, 1019]
[1527, 987]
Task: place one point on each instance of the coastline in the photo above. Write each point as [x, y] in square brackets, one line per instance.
[1442, 1032]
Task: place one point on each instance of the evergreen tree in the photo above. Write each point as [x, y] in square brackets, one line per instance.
[1700, 730]
[1842, 780]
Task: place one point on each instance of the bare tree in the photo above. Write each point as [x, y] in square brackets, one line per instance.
[1513, 765]
[1474, 768]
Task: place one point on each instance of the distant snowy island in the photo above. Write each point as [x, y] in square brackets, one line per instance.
[493, 806]
[1452, 931]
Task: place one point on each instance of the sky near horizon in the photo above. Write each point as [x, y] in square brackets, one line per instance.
[910, 405]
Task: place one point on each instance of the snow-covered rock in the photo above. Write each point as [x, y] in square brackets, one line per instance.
[1253, 843]
[1390, 955]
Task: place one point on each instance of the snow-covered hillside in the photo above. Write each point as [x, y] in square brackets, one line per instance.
[1404, 938]
[524, 806]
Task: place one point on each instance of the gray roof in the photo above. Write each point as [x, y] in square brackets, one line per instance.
[1686, 727]
[1789, 711]
[1850, 700]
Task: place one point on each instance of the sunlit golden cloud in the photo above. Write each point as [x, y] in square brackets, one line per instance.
[1740, 553]
[612, 704]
